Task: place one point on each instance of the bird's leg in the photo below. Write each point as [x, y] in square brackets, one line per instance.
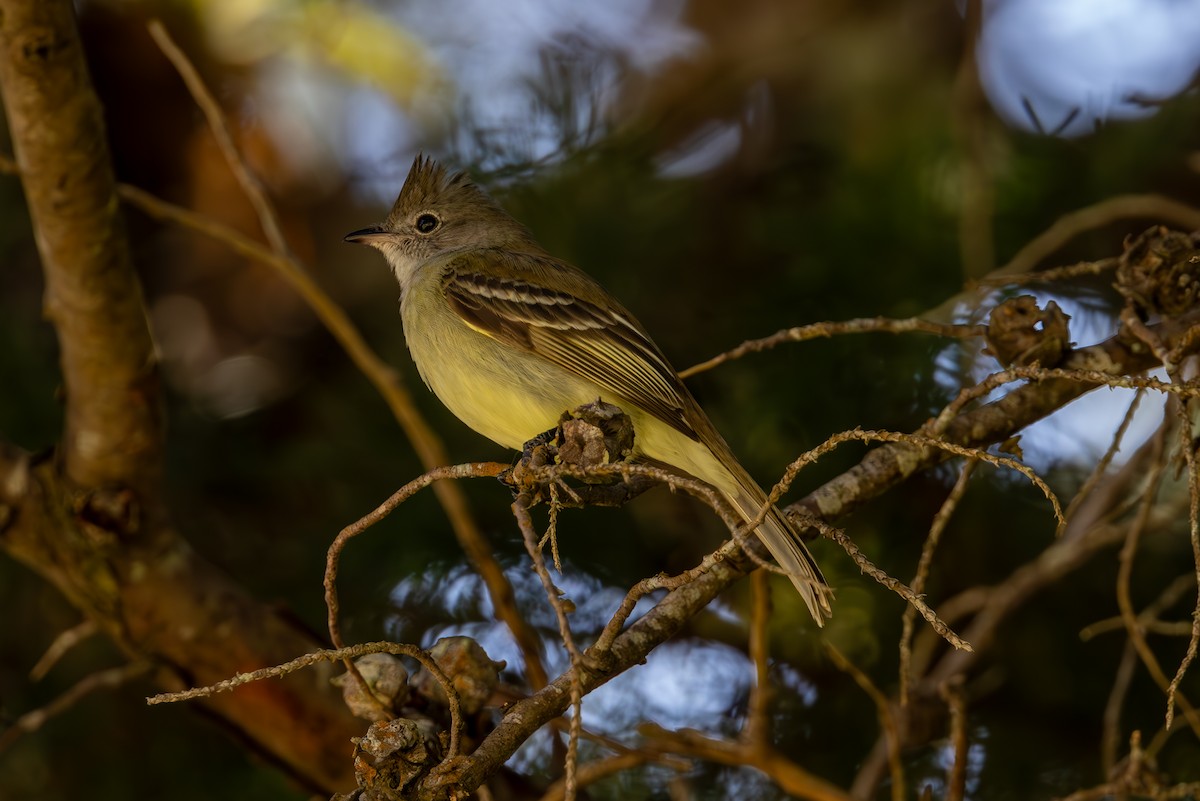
[590, 435]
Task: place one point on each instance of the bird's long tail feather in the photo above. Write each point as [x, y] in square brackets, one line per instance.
[784, 543]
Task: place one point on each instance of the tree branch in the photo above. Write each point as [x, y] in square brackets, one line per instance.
[881, 469]
[93, 520]
[884, 467]
[114, 431]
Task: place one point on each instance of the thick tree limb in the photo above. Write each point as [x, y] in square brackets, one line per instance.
[114, 420]
[161, 602]
[93, 520]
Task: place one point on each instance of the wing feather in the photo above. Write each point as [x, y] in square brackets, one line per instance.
[600, 344]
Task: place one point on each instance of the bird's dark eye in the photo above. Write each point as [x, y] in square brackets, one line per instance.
[427, 222]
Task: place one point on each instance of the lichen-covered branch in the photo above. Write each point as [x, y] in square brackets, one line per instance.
[114, 430]
[92, 520]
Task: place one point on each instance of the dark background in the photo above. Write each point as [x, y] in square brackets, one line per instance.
[850, 198]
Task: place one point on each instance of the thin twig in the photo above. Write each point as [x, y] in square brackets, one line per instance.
[63, 643]
[1185, 343]
[936, 528]
[895, 585]
[469, 470]
[104, 679]
[1093, 480]
[992, 605]
[1138, 778]
[793, 779]
[956, 774]
[1110, 728]
[883, 708]
[336, 655]
[1148, 618]
[549, 474]
[757, 728]
[920, 440]
[1125, 571]
[1193, 476]
[592, 772]
[551, 534]
[971, 128]
[1185, 413]
[520, 508]
[333, 555]
[1106, 379]
[1097, 215]
[1132, 323]
[864, 325]
[1054, 275]
[219, 126]
[651, 584]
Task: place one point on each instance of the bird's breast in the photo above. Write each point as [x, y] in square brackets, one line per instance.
[506, 394]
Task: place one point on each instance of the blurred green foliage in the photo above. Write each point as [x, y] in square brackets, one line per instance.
[849, 206]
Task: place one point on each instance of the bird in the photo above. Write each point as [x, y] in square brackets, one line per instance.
[508, 337]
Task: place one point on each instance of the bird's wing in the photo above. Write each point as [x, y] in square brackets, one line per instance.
[600, 344]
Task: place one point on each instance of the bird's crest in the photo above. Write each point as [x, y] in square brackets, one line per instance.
[430, 184]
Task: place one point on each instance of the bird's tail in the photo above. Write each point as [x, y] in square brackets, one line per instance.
[784, 543]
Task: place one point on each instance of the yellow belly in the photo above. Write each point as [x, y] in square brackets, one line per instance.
[511, 396]
[507, 395]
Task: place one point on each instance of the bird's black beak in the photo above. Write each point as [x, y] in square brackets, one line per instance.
[365, 236]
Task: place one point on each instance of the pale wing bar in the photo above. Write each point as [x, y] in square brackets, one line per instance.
[579, 336]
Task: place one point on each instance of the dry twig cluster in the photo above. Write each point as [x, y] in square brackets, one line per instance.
[435, 749]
